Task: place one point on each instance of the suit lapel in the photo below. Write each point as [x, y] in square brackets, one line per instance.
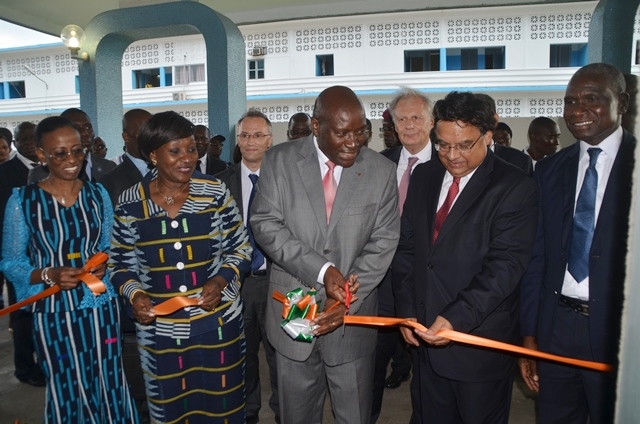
[309, 173]
[569, 178]
[472, 190]
[235, 183]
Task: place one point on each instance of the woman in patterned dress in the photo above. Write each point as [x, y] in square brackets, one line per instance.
[179, 233]
[50, 230]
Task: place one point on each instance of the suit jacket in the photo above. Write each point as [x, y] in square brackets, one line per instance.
[556, 176]
[289, 222]
[215, 166]
[99, 167]
[471, 275]
[123, 176]
[514, 157]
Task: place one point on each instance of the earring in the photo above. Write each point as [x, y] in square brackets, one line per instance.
[154, 162]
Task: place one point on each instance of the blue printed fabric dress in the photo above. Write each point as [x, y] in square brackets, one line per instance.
[193, 360]
[77, 334]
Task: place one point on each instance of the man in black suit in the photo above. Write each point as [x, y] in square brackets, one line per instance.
[467, 232]
[572, 292]
[14, 173]
[543, 138]
[94, 167]
[254, 138]
[207, 164]
[299, 126]
[412, 113]
[132, 168]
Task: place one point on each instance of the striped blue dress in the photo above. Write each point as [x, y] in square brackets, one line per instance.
[77, 334]
[193, 360]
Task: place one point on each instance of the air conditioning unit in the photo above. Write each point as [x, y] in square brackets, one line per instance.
[179, 96]
[259, 51]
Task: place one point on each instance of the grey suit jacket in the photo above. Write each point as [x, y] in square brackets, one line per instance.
[99, 168]
[289, 222]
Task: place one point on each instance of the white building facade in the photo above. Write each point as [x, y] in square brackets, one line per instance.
[523, 56]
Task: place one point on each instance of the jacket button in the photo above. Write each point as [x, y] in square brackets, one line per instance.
[421, 305]
[326, 251]
[430, 265]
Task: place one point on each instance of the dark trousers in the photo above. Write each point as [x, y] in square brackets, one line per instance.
[255, 297]
[389, 345]
[21, 322]
[570, 395]
[448, 401]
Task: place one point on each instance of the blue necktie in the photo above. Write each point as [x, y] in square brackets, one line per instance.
[257, 259]
[584, 220]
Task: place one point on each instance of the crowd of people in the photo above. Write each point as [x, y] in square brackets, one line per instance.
[449, 227]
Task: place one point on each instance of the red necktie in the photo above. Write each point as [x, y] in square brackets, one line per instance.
[404, 183]
[442, 213]
[330, 188]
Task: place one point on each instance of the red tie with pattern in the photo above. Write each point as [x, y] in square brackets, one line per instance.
[330, 188]
[404, 183]
[442, 213]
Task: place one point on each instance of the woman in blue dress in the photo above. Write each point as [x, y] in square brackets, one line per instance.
[179, 233]
[51, 229]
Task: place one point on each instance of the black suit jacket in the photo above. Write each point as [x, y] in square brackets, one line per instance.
[100, 167]
[215, 166]
[556, 176]
[471, 275]
[514, 157]
[123, 176]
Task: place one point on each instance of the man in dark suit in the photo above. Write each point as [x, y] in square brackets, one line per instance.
[133, 167]
[94, 167]
[543, 138]
[467, 232]
[514, 157]
[14, 173]
[327, 208]
[572, 291]
[207, 164]
[412, 113]
[254, 138]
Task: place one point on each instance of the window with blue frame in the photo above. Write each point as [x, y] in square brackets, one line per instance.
[568, 55]
[150, 78]
[324, 65]
[12, 90]
[475, 58]
[421, 60]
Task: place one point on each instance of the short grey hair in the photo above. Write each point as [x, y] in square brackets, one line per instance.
[254, 113]
[410, 93]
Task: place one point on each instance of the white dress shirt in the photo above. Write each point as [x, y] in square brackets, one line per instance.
[610, 147]
[247, 185]
[446, 184]
[423, 156]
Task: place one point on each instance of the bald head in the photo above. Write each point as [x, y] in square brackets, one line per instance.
[339, 124]
[299, 126]
[132, 121]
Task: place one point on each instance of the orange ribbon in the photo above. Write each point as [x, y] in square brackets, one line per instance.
[476, 341]
[94, 283]
[170, 306]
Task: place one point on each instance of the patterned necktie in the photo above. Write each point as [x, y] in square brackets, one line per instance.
[404, 183]
[442, 213]
[584, 220]
[257, 259]
[330, 188]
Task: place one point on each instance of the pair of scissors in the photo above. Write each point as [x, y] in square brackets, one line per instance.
[347, 302]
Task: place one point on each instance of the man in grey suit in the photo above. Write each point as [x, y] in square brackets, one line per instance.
[93, 167]
[315, 240]
[254, 138]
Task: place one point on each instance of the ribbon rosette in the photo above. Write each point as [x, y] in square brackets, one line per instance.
[299, 309]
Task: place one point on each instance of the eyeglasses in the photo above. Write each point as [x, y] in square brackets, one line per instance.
[61, 155]
[255, 136]
[386, 127]
[299, 133]
[461, 148]
[100, 147]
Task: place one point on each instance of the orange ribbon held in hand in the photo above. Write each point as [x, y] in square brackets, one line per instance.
[94, 283]
[457, 336]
